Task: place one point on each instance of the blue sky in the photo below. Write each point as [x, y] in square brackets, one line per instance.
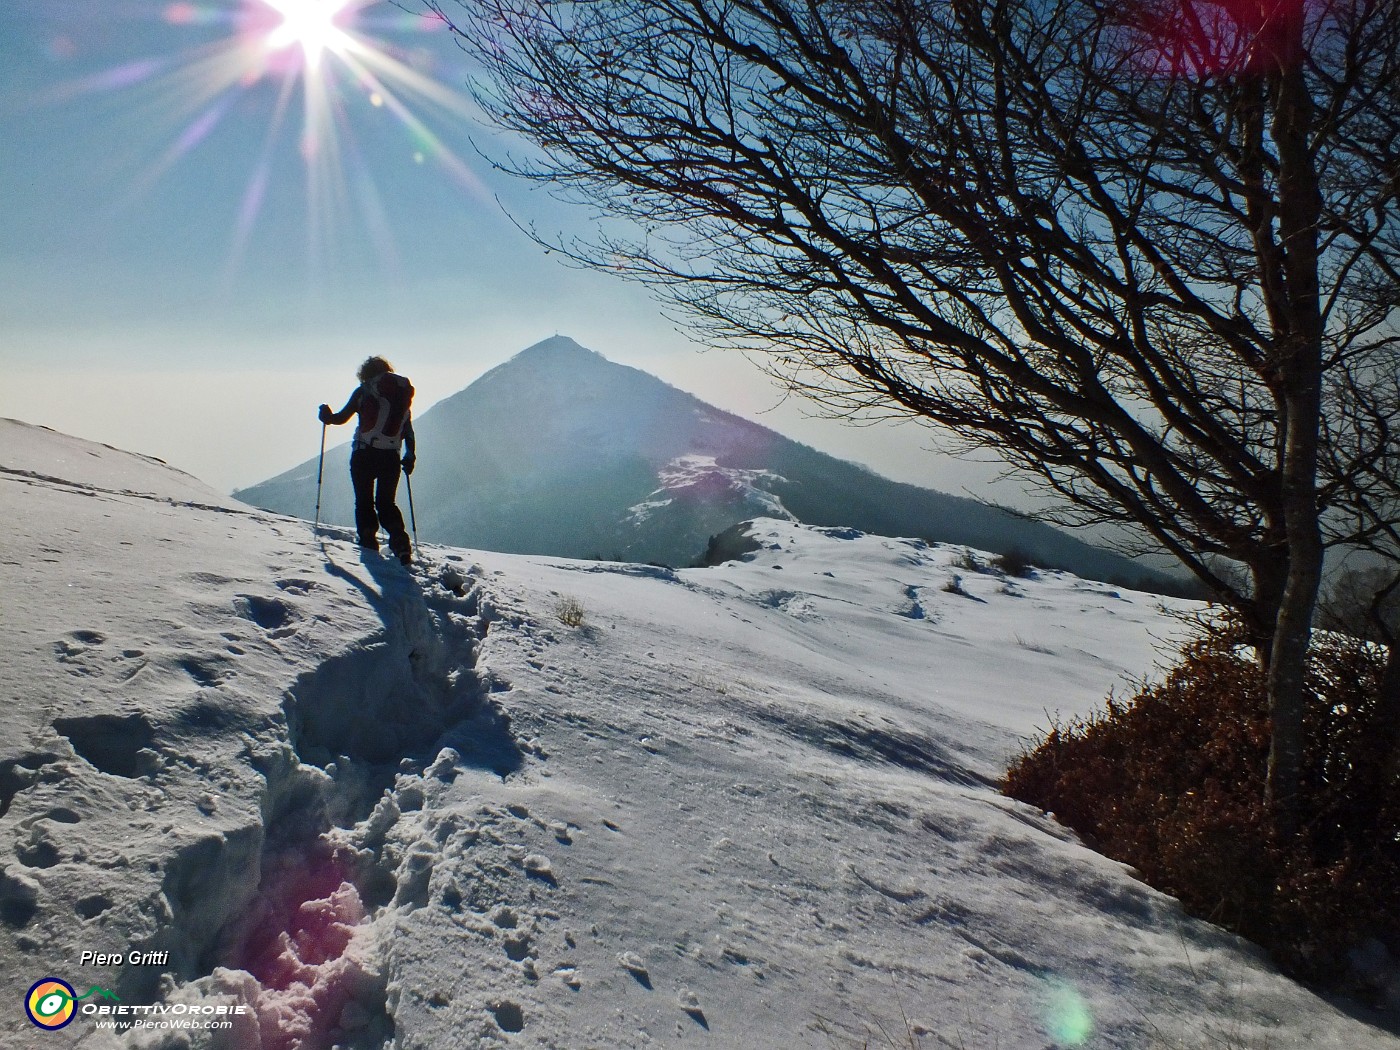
[189, 263]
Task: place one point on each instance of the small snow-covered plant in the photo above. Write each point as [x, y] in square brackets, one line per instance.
[884, 1036]
[889, 1036]
[1212, 1041]
[954, 585]
[713, 685]
[569, 611]
[968, 561]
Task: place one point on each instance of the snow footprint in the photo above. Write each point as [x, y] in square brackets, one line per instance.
[77, 651]
[271, 614]
[509, 1016]
[115, 744]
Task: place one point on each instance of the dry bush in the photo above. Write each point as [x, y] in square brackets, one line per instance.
[968, 561]
[1172, 782]
[570, 612]
[1014, 562]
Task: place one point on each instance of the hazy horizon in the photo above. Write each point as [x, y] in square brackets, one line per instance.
[199, 251]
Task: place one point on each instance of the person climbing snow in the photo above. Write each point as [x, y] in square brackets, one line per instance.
[383, 401]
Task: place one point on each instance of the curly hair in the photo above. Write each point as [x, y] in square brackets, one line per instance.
[373, 366]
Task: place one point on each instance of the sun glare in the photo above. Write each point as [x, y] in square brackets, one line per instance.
[311, 24]
[330, 53]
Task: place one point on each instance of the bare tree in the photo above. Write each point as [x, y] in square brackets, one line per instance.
[1147, 253]
[1363, 503]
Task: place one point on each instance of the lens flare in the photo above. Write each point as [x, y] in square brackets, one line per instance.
[339, 56]
[1068, 1020]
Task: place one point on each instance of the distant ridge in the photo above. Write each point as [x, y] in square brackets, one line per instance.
[560, 451]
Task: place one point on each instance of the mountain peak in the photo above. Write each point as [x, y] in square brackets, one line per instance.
[557, 347]
[560, 451]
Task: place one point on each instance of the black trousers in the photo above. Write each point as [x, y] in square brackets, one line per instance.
[375, 474]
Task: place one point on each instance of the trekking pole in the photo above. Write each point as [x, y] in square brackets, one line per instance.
[320, 464]
[412, 518]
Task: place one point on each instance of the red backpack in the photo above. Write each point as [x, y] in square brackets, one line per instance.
[384, 409]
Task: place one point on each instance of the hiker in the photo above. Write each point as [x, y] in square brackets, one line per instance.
[382, 401]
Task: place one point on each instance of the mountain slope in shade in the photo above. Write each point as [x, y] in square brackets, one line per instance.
[560, 451]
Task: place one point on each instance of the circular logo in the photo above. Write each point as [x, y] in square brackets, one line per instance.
[49, 1003]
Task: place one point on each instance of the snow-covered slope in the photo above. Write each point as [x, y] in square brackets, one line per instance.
[522, 801]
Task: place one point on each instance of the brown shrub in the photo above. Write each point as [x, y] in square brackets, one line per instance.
[1172, 782]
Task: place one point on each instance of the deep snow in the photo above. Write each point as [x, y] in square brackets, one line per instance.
[747, 806]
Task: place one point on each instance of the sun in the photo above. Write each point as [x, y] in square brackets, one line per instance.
[310, 24]
[339, 57]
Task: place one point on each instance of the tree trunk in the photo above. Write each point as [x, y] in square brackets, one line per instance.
[1269, 577]
[1298, 318]
[1288, 657]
